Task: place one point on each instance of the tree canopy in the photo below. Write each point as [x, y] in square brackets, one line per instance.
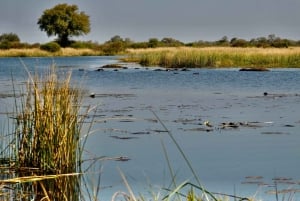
[9, 37]
[64, 21]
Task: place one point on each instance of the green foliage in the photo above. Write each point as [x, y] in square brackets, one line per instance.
[64, 21]
[9, 37]
[50, 47]
[222, 42]
[85, 45]
[236, 42]
[153, 42]
[171, 42]
[116, 38]
[116, 45]
[139, 45]
[113, 48]
[5, 45]
[9, 40]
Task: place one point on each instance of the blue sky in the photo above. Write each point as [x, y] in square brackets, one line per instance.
[139, 20]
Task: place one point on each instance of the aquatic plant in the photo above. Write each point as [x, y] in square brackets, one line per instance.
[46, 147]
[184, 57]
[37, 52]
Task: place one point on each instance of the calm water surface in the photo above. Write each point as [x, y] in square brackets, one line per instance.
[265, 142]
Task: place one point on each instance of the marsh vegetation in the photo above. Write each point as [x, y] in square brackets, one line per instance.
[184, 57]
[41, 159]
[124, 121]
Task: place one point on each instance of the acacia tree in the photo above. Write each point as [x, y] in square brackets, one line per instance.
[64, 21]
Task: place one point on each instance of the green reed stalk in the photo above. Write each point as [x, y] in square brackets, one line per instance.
[216, 57]
[48, 129]
[187, 161]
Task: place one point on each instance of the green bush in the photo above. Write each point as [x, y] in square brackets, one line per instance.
[9, 37]
[4, 45]
[84, 44]
[50, 47]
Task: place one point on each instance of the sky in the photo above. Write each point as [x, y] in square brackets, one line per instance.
[139, 20]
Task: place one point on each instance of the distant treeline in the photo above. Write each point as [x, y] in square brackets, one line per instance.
[117, 44]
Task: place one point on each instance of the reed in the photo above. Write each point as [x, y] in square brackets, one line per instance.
[36, 52]
[187, 57]
[47, 126]
[46, 142]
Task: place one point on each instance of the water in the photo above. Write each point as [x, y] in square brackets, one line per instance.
[265, 143]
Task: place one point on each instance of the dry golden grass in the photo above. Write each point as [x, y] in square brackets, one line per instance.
[249, 50]
[49, 124]
[78, 52]
[47, 137]
[216, 57]
[36, 52]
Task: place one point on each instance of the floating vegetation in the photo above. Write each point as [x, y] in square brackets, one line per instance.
[141, 133]
[254, 177]
[123, 138]
[159, 131]
[187, 121]
[279, 185]
[200, 129]
[284, 191]
[275, 95]
[226, 125]
[112, 95]
[274, 133]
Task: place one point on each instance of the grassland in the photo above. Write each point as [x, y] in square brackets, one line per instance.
[188, 57]
[36, 52]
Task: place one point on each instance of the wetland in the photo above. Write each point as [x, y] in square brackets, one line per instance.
[239, 129]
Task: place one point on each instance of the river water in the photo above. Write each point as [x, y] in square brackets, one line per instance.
[238, 140]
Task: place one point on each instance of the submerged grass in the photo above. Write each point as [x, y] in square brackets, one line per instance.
[187, 57]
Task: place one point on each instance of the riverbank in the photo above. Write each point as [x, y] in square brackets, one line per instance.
[36, 52]
[187, 57]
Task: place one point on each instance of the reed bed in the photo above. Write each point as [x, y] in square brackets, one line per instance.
[36, 52]
[46, 146]
[48, 125]
[187, 57]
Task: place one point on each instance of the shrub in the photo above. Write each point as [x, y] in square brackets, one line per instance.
[50, 47]
[236, 42]
[113, 48]
[4, 45]
[85, 45]
[9, 37]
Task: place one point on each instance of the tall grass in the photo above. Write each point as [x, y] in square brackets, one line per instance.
[47, 140]
[47, 126]
[184, 57]
[36, 52]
